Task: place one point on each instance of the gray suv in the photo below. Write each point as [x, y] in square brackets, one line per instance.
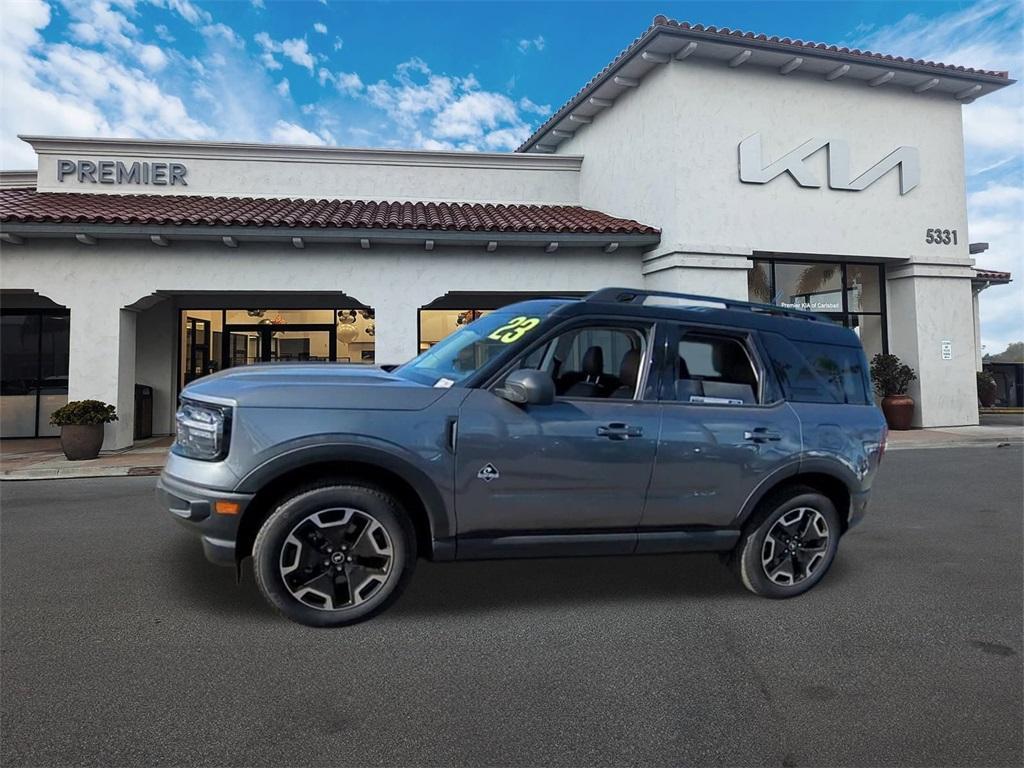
[627, 422]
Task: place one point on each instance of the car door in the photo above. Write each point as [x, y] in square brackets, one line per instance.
[570, 476]
[724, 430]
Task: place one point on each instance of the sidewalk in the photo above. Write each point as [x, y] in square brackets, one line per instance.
[984, 435]
[42, 459]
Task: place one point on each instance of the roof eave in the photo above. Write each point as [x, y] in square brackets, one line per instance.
[313, 235]
[645, 44]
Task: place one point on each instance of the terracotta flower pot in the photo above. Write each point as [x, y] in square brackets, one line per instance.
[81, 441]
[987, 394]
[898, 410]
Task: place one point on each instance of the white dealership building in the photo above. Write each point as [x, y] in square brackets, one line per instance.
[701, 160]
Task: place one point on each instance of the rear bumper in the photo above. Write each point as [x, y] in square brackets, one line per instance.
[193, 506]
[858, 507]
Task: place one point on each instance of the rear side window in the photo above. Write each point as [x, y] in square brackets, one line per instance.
[818, 373]
[714, 369]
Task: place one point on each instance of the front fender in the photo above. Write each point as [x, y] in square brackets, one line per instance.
[430, 482]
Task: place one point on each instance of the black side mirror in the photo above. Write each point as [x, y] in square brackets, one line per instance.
[527, 386]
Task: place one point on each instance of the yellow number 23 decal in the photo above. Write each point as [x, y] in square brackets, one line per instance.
[515, 329]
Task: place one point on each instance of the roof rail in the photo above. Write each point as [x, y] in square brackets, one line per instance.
[639, 296]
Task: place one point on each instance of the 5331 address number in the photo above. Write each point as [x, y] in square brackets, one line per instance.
[940, 236]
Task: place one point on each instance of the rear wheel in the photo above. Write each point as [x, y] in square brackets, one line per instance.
[334, 555]
[789, 544]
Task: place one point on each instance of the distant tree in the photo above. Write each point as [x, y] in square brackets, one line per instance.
[1012, 354]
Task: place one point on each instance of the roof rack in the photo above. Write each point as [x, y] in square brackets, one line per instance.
[639, 296]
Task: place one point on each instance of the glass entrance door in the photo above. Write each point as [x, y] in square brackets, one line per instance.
[247, 344]
[244, 346]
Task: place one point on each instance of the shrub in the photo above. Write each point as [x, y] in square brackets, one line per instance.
[890, 375]
[80, 412]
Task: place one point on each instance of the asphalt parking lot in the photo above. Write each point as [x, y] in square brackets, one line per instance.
[122, 646]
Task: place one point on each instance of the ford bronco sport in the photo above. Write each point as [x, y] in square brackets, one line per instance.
[627, 422]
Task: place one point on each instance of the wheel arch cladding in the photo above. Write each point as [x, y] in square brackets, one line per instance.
[835, 489]
[427, 515]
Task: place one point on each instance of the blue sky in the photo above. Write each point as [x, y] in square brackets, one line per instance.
[475, 76]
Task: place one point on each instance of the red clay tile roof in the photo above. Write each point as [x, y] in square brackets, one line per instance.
[782, 43]
[992, 275]
[26, 205]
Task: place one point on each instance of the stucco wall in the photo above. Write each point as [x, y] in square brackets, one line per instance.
[667, 153]
[112, 347]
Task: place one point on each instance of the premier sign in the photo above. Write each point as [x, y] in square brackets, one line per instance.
[754, 171]
[117, 172]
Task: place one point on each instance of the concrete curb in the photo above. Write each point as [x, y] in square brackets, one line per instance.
[987, 443]
[77, 473]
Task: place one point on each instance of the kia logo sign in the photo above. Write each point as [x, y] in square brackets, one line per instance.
[754, 171]
[116, 172]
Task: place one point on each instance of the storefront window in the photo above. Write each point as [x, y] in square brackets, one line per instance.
[851, 294]
[435, 324]
[34, 371]
[863, 290]
[812, 286]
[213, 339]
[457, 309]
[759, 282]
[871, 330]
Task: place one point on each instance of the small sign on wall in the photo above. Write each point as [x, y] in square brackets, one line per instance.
[947, 349]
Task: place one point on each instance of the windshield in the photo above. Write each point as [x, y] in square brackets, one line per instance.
[468, 349]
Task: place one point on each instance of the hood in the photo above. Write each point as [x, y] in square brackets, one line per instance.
[313, 385]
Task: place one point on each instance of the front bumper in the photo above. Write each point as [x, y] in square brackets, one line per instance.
[193, 506]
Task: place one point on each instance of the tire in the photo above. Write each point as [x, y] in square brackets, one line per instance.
[795, 519]
[333, 555]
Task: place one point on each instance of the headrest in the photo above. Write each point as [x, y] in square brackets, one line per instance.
[593, 361]
[630, 368]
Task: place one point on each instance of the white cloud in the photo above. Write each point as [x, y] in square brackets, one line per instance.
[163, 33]
[320, 27]
[292, 133]
[295, 50]
[469, 116]
[152, 57]
[338, 43]
[224, 32]
[258, 4]
[444, 112]
[111, 81]
[527, 105]
[188, 10]
[348, 82]
[537, 43]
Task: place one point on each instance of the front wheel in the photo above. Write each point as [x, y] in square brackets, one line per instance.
[789, 543]
[334, 555]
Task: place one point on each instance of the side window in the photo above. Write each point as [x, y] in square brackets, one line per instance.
[596, 362]
[714, 369]
[818, 373]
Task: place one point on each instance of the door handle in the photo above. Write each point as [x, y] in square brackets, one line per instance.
[761, 435]
[619, 431]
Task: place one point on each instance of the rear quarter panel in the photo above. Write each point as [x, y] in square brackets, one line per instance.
[841, 440]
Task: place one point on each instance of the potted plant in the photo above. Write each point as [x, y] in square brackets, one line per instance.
[987, 389]
[81, 427]
[892, 379]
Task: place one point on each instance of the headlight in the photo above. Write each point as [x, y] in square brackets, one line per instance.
[203, 431]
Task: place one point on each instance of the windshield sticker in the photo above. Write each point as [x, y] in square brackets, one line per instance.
[443, 383]
[514, 329]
